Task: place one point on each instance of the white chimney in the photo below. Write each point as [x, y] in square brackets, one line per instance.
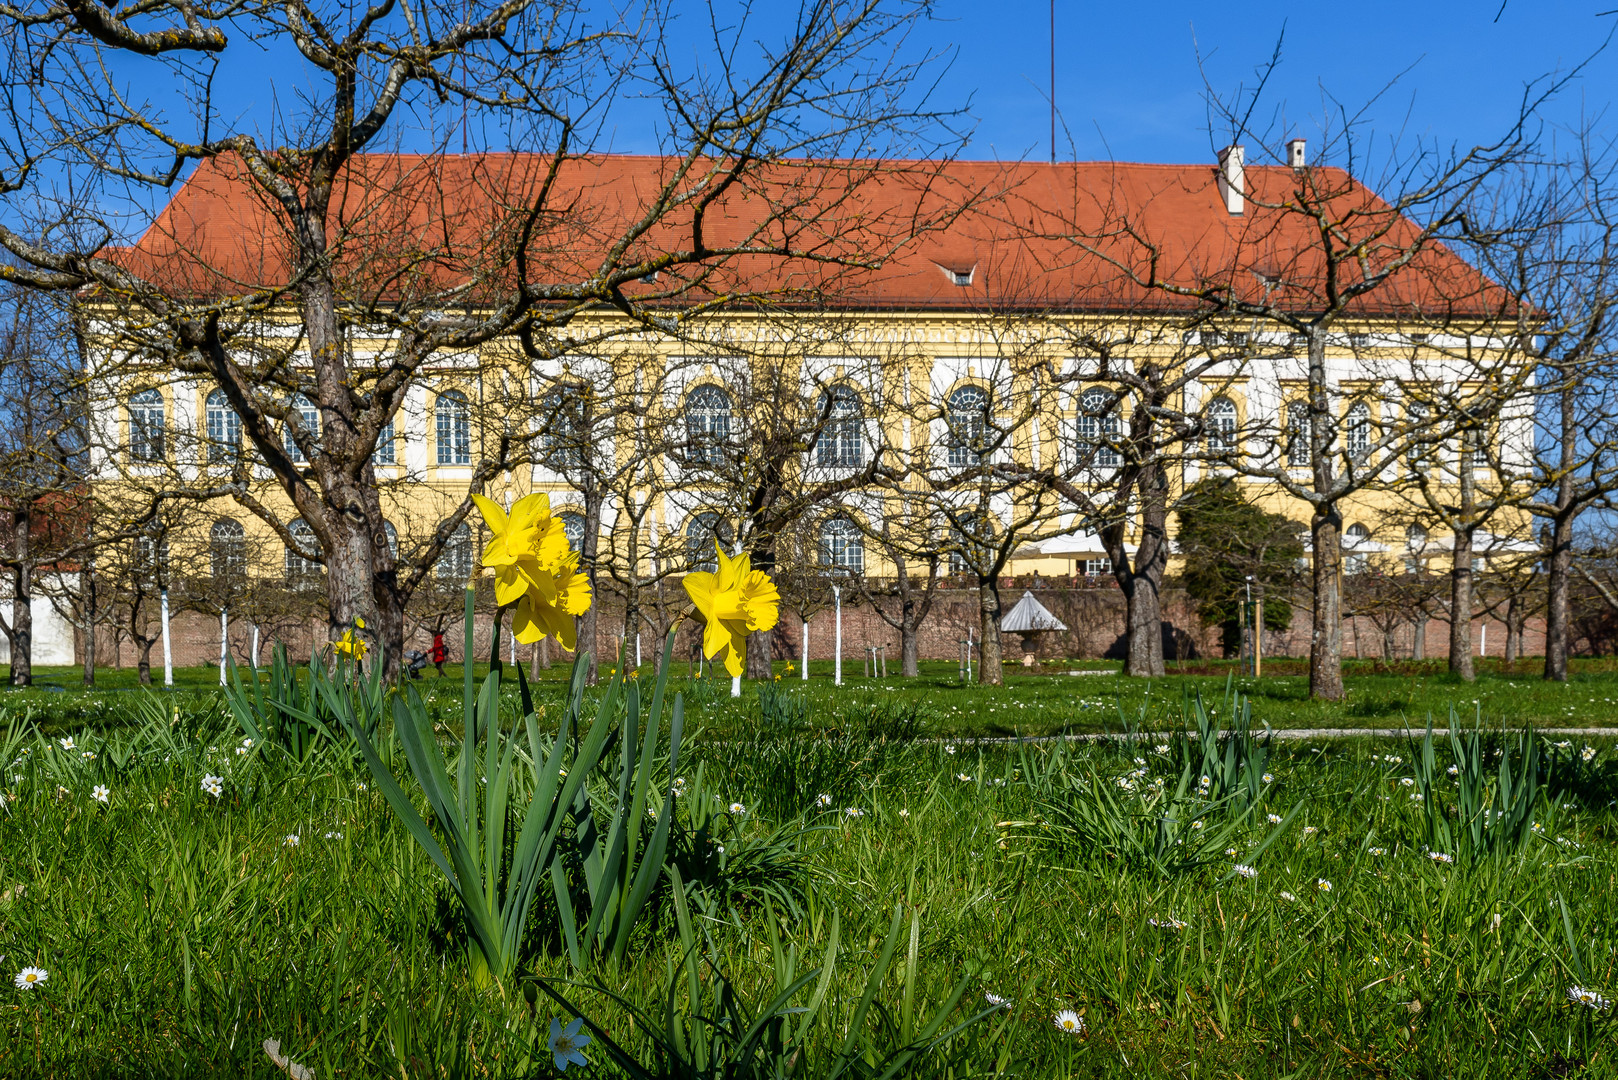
[1297, 155]
[1232, 179]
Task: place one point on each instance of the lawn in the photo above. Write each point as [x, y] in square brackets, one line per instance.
[1308, 921]
[1044, 701]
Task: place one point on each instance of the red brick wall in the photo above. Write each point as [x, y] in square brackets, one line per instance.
[1094, 617]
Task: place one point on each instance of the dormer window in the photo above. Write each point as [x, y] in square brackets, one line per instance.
[962, 278]
[960, 274]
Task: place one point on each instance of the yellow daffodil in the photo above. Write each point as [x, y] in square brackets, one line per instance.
[548, 609]
[736, 601]
[524, 543]
[349, 645]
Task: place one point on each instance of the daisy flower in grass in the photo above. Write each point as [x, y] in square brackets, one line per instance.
[1069, 1021]
[99, 793]
[67, 743]
[1245, 871]
[853, 811]
[1322, 884]
[30, 977]
[1578, 995]
[737, 808]
[1288, 897]
[996, 1000]
[1440, 857]
[1376, 851]
[1273, 819]
[823, 801]
[213, 785]
[291, 840]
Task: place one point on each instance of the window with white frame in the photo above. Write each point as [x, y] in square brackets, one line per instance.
[968, 420]
[227, 550]
[302, 572]
[1357, 430]
[224, 429]
[148, 432]
[1356, 544]
[707, 425]
[842, 546]
[1298, 433]
[1097, 429]
[841, 444]
[1220, 420]
[392, 536]
[151, 558]
[563, 428]
[1416, 414]
[386, 453]
[306, 418]
[455, 563]
[453, 418]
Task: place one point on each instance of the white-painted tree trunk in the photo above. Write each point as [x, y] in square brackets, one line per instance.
[168, 653]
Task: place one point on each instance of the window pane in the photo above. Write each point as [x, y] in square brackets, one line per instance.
[454, 429]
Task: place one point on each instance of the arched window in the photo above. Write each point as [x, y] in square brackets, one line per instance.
[227, 548]
[1097, 429]
[307, 419]
[224, 428]
[392, 535]
[147, 428]
[842, 547]
[1221, 426]
[1415, 537]
[563, 428]
[1298, 455]
[573, 528]
[1357, 430]
[455, 564]
[387, 452]
[1356, 539]
[454, 428]
[841, 444]
[707, 424]
[968, 417]
[704, 529]
[302, 571]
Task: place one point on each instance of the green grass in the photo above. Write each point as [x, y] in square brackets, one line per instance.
[181, 931]
[1042, 702]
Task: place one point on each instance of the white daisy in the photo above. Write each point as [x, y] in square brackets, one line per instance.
[996, 1000]
[1268, 778]
[1322, 884]
[1440, 857]
[853, 811]
[1588, 753]
[67, 743]
[1069, 1021]
[213, 785]
[904, 812]
[1288, 897]
[737, 808]
[1376, 851]
[964, 778]
[824, 801]
[1245, 871]
[99, 793]
[1578, 995]
[1273, 819]
[1416, 797]
[30, 977]
[1406, 781]
[291, 840]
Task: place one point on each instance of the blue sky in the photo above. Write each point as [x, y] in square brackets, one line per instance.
[1128, 84]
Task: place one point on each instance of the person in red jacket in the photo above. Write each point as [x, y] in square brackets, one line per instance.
[439, 654]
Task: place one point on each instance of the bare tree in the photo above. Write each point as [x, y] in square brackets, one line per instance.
[351, 276]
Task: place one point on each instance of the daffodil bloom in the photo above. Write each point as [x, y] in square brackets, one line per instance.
[736, 601]
[349, 645]
[523, 543]
[548, 610]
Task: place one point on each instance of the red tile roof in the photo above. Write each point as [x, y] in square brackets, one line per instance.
[1032, 236]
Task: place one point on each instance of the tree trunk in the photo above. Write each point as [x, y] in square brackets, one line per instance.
[1326, 635]
[89, 612]
[1418, 638]
[1559, 571]
[1460, 607]
[910, 643]
[22, 601]
[1141, 579]
[990, 669]
[1514, 621]
[589, 547]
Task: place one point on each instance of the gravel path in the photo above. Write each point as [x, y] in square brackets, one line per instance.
[1279, 733]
